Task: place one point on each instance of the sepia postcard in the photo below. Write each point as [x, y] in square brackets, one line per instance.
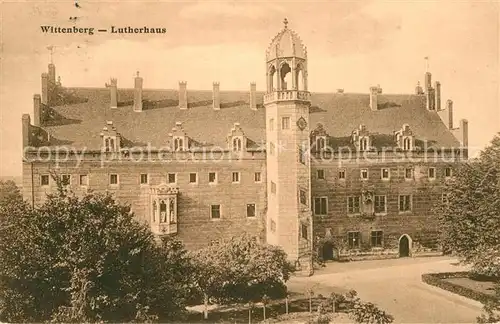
[314, 161]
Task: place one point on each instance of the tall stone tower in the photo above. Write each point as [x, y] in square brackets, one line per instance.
[287, 102]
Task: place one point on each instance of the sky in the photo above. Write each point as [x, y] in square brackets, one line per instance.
[351, 45]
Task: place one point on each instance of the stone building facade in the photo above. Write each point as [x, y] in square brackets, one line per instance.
[344, 174]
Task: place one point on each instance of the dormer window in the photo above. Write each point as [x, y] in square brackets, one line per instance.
[178, 144]
[363, 143]
[110, 138]
[320, 143]
[236, 139]
[237, 144]
[319, 138]
[405, 138]
[361, 138]
[179, 138]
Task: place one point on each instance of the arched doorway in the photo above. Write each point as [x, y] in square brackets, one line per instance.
[404, 246]
[327, 251]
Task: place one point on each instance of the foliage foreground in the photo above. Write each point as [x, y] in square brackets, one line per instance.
[470, 218]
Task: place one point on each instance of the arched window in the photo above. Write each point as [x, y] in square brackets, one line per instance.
[171, 209]
[271, 81]
[285, 76]
[320, 143]
[154, 211]
[178, 144]
[236, 144]
[163, 212]
[363, 144]
[407, 144]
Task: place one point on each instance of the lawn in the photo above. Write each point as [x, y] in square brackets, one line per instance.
[485, 287]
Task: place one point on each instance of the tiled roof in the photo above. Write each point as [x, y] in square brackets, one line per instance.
[79, 123]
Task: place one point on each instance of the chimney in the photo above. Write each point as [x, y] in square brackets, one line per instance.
[138, 93]
[428, 81]
[26, 129]
[464, 130]
[253, 99]
[52, 74]
[37, 106]
[183, 104]
[113, 91]
[418, 89]
[449, 108]
[45, 89]
[216, 96]
[374, 98]
[437, 87]
[430, 101]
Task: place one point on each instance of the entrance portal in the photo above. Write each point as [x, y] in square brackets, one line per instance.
[327, 251]
[404, 246]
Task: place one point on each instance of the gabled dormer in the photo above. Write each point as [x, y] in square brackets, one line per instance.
[319, 138]
[110, 138]
[405, 138]
[361, 139]
[179, 138]
[236, 139]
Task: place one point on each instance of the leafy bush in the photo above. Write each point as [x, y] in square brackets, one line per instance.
[87, 260]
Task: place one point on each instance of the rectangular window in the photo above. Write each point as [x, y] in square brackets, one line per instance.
[113, 179]
[447, 172]
[376, 238]
[320, 206]
[257, 177]
[380, 204]
[342, 174]
[409, 173]
[215, 211]
[193, 178]
[144, 178]
[172, 178]
[250, 210]
[385, 173]
[84, 180]
[273, 187]
[271, 148]
[353, 205]
[303, 197]
[364, 174]
[271, 124]
[212, 177]
[44, 180]
[304, 231]
[236, 177]
[432, 173]
[285, 123]
[354, 240]
[320, 174]
[404, 203]
[66, 179]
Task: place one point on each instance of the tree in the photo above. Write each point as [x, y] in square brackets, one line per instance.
[470, 218]
[241, 270]
[87, 260]
[9, 193]
[470, 212]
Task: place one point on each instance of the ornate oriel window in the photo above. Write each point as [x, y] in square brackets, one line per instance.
[405, 138]
[361, 138]
[164, 209]
[111, 139]
[236, 139]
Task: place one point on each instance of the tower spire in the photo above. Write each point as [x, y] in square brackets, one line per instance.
[426, 63]
[285, 22]
[51, 51]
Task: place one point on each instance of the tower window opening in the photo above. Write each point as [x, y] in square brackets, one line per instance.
[285, 76]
